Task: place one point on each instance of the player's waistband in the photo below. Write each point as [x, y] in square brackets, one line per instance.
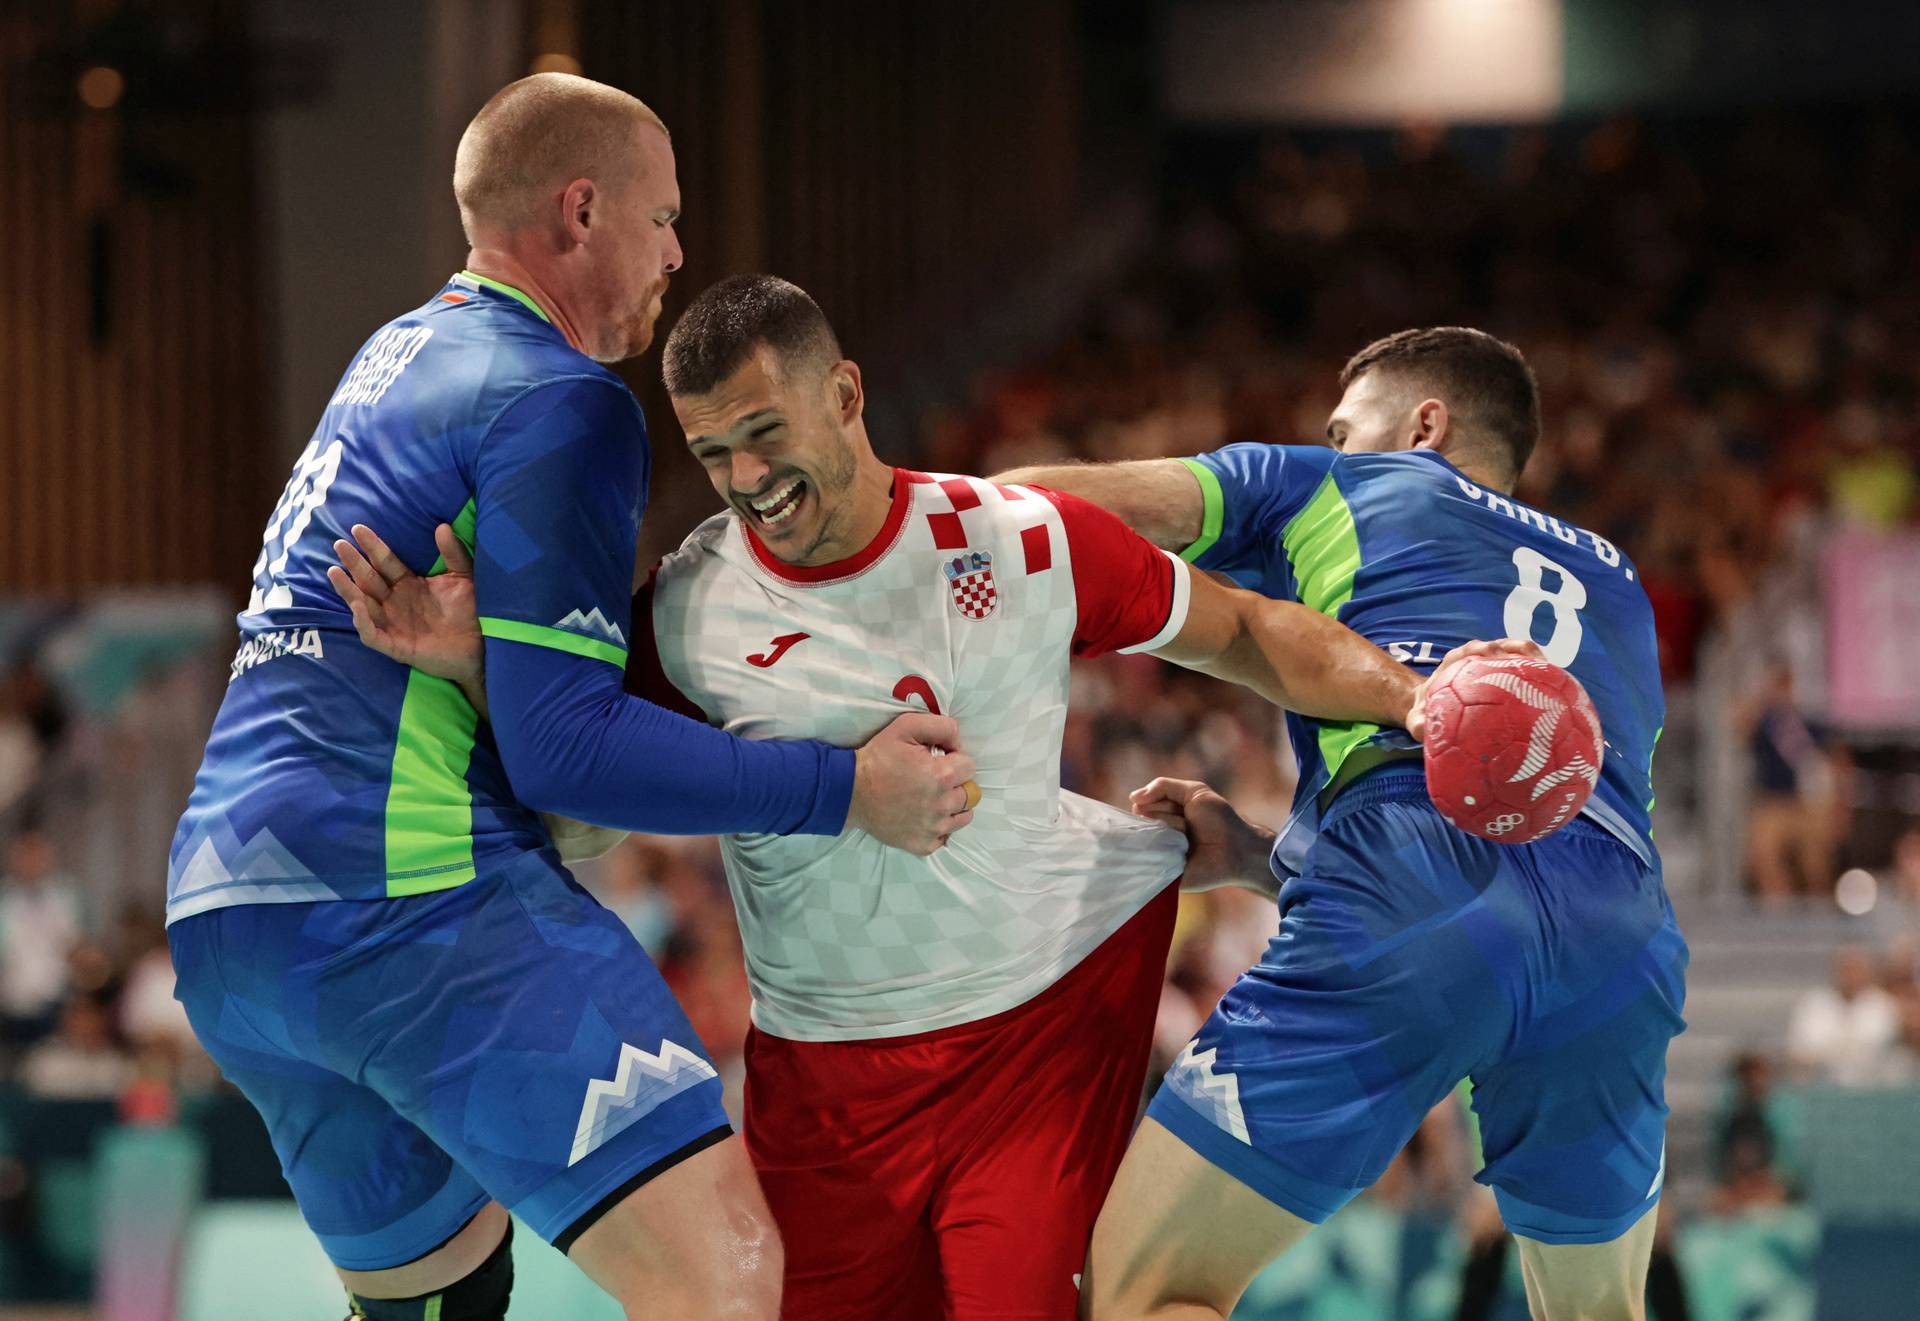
[1401, 780]
[1364, 760]
[1404, 780]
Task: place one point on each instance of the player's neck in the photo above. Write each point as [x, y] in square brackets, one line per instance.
[1481, 474]
[869, 501]
[500, 265]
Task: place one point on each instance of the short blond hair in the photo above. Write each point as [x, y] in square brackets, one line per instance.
[537, 135]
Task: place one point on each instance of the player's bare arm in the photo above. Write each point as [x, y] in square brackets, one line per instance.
[910, 780]
[1160, 499]
[1305, 661]
[1293, 656]
[1223, 847]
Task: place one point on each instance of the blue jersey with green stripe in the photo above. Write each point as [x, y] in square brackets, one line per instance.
[1406, 551]
[332, 772]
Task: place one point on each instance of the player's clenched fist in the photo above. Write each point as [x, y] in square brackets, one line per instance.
[905, 793]
[1223, 847]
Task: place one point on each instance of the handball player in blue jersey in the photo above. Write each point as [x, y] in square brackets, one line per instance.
[1410, 955]
[374, 933]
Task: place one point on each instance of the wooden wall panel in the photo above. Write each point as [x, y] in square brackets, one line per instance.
[131, 452]
[901, 162]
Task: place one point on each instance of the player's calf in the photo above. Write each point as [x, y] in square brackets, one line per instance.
[479, 1296]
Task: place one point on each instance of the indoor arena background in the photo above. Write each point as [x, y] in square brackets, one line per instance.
[1108, 229]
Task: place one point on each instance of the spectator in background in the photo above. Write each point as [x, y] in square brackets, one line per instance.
[633, 887]
[40, 925]
[1750, 1183]
[150, 1018]
[1901, 1066]
[33, 719]
[82, 1061]
[1794, 822]
[1906, 869]
[34, 699]
[1844, 1033]
[1754, 1111]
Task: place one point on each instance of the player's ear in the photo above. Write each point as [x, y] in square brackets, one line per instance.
[576, 208]
[849, 392]
[1431, 425]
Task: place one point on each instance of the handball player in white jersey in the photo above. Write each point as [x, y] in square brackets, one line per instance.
[947, 1051]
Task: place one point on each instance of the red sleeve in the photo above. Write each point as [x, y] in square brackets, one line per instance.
[1131, 595]
[646, 677]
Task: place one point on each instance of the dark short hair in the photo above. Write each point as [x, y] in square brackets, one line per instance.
[719, 332]
[1485, 381]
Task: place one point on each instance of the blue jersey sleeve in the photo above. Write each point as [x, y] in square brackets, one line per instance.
[1250, 492]
[558, 484]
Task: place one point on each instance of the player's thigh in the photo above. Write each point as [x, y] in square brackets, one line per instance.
[1179, 1237]
[518, 1023]
[451, 1262]
[843, 1136]
[1040, 1125]
[1387, 983]
[1573, 1117]
[240, 980]
[1589, 1281]
[696, 1241]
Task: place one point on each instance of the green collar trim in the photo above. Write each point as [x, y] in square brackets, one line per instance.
[510, 292]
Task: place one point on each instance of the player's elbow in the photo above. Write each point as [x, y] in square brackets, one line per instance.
[544, 761]
[538, 781]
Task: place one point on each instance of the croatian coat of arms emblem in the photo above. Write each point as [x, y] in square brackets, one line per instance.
[970, 579]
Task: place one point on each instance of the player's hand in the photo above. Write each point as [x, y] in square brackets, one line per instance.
[909, 784]
[1223, 847]
[429, 623]
[1417, 714]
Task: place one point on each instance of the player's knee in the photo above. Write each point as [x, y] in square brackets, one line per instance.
[481, 1296]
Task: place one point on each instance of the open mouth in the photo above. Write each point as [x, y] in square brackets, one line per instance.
[778, 505]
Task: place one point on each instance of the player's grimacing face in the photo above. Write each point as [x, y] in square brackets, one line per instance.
[776, 450]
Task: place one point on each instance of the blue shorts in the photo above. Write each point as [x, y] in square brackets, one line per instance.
[1411, 955]
[414, 1058]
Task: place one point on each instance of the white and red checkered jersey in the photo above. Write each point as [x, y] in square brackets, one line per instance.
[971, 602]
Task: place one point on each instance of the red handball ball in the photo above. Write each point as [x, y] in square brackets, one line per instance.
[1513, 747]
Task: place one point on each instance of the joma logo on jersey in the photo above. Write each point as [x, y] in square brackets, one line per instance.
[970, 579]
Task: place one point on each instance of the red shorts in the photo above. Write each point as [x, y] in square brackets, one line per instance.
[957, 1173]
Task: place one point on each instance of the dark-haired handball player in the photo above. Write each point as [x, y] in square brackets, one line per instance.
[1411, 955]
[373, 935]
[947, 1051]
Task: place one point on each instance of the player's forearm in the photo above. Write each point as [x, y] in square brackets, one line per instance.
[1252, 861]
[1158, 498]
[1304, 661]
[576, 745]
[576, 841]
[475, 689]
